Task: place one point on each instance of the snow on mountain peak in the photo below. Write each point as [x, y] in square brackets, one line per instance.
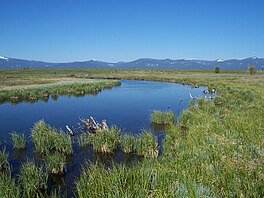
[219, 60]
[2, 57]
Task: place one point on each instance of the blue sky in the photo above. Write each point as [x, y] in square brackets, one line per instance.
[124, 30]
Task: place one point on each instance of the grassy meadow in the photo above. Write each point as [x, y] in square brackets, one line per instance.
[214, 149]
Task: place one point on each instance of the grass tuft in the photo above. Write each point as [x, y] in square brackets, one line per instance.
[47, 139]
[165, 118]
[18, 140]
[56, 163]
[128, 143]
[146, 145]
[106, 141]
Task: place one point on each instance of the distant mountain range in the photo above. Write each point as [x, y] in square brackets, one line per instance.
[144, 63]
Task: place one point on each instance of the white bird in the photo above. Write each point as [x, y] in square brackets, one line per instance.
[195, 98]
[70, 131]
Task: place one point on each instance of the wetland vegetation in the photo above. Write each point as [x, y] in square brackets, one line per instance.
[215, 149]
[163, 118]
[64, 86]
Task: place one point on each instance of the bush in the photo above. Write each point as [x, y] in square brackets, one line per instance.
[217, 70]
[252, 69]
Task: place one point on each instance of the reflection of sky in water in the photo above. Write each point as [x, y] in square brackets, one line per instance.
[128, 106]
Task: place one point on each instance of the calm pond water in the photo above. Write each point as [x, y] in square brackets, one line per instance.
[128, 106]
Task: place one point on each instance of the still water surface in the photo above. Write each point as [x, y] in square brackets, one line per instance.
[128, 106]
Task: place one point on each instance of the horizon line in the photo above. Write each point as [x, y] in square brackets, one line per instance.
[189, 59]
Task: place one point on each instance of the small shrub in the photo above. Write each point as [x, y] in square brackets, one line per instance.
[18, 140]
[252, 69]
[217, 70]
[167, 117]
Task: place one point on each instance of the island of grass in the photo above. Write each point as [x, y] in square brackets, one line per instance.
[58, 87]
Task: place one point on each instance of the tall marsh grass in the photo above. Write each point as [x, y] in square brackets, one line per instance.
[33, 180]
[8, 187]
[85, 139]
[216, 150]
[146, 179]
[4, 163]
